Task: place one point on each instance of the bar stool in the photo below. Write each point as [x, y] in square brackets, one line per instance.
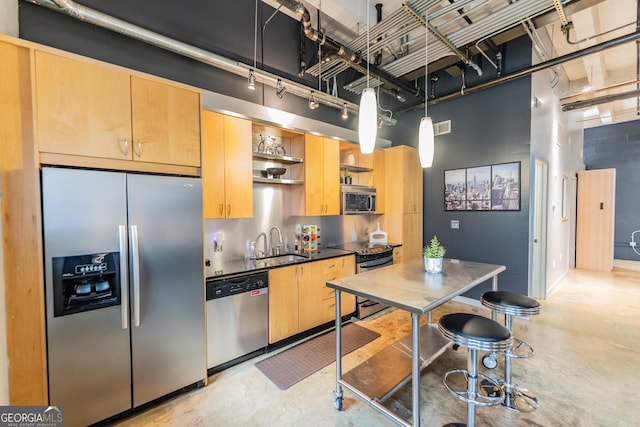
[511, 304]
[476, 333]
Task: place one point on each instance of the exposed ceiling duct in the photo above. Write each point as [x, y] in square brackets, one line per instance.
[346, 55]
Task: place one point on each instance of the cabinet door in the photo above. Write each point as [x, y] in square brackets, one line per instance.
[316, 305]
[397, 255]
[379, 171]
[331, 178]
[166, 123]
[283, 302]
[412, 236]
[347, 300]
[213, 165]
[313, 204]
[238, 174]
[82, 109]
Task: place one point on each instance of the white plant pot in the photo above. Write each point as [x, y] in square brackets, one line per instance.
[433, 265]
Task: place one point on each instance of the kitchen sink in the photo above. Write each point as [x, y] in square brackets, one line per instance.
[279, 260]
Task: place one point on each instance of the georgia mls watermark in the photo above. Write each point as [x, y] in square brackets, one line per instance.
[31, 416]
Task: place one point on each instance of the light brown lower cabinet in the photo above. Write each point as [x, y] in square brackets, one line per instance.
[299, 299]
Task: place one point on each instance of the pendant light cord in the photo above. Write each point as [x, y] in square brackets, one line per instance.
[426, 60]
[367, 11]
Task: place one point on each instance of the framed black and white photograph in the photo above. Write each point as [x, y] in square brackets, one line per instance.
[505, 187]
[483, 188]
[479, 188]
[455, 190]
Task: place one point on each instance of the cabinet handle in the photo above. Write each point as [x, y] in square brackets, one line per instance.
[139, 149]
[125, 142]
[124, 278]
[221, 209]
[228, 210]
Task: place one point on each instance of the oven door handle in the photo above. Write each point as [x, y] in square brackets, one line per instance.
[369, 303]
[376, 263]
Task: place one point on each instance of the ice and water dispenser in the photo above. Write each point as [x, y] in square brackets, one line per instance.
[85, 282]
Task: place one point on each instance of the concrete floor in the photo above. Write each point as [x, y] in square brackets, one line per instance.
[584, 372]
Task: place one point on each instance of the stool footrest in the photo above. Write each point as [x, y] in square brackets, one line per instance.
[481, 399]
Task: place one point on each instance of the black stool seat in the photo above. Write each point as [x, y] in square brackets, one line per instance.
[475, 332]
[510, 303]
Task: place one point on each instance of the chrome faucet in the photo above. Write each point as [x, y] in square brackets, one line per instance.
[265, 252]
[277, 252]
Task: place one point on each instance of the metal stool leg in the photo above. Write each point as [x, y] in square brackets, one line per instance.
[516, 398]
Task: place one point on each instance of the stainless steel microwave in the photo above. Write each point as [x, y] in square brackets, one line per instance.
[358, 200]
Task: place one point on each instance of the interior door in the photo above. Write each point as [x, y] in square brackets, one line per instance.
[539, 243]
[167, 284]
[594, 228]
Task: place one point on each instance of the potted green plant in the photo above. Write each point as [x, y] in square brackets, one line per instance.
[347, 176]
[433, 254]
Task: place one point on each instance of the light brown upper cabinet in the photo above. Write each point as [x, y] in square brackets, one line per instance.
[404, 175]
[320, 194]
[227, 181]
[85, 109]
[379, 178]
[403, 201]
[166, 123]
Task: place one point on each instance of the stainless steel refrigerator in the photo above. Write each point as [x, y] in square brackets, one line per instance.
[124, 289]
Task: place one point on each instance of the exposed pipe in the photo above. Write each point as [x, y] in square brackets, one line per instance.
[464, 58]
[534, 68]
[355, 60]
[103, 20]
[597, 101]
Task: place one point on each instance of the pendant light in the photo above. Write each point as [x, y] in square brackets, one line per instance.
[426, 146]
[368, 112]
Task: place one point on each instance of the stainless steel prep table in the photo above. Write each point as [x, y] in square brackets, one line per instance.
[408, 287]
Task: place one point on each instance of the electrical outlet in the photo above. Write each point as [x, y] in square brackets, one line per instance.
[455, 224]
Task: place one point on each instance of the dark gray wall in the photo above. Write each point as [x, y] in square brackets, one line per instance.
[618, 146]
[488, 127]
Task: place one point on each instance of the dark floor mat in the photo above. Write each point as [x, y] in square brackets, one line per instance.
[295, 364]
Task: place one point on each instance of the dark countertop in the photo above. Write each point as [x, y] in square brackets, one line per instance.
[239, 265]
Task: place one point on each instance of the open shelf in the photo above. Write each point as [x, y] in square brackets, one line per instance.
[281, 159]
[277, 181]
[355, 169]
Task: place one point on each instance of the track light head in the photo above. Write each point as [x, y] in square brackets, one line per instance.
[280, 89]
[344, 113]
[313, 104]
[251, 85]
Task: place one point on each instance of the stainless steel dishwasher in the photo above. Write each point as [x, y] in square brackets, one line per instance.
[237, 316]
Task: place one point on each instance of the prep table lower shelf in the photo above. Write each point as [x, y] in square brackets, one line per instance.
[385, 372]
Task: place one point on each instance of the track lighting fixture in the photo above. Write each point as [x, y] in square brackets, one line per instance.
[252, 81]
[280, 89]
[344, 112]
[313, 104]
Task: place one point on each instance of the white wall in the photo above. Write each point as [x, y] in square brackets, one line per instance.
[556, 137]
[9, 17]
[8, 25]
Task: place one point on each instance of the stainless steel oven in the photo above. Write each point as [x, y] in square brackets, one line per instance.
[369, 257]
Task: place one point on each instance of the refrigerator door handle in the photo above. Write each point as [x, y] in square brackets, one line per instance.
[124, 276]
[135, 259]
